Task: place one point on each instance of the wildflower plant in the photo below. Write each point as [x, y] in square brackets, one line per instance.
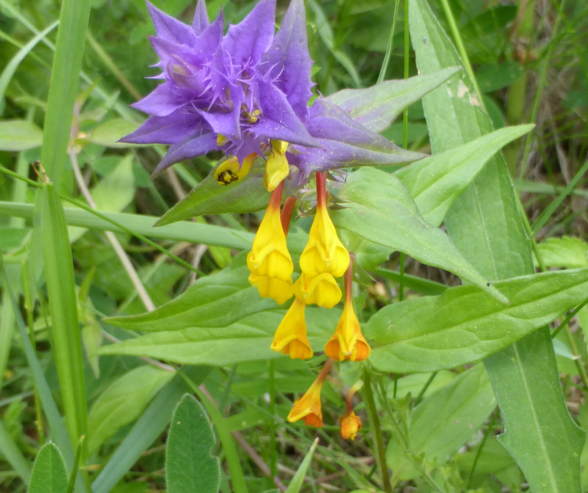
[294, 309]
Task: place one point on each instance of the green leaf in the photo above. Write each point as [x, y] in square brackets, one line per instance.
[146, 430]
[445, 420]
[190, 467]
[564, 252]
[209, 197]
[486, 226]
[378, 106]
[116, 191]
[296, 483]
[498, 75]
[123, 401]
[49, 474]
[19, 135]
[414, 382]
[109, 133]
[65, 333]
[65, 76]
[488, 22]
[464, 324]
[11, 453]
[15, 61]
[247, 340]
[381, 210]
[418, 284]
[437, 181]
[185, 231]
[213, 301]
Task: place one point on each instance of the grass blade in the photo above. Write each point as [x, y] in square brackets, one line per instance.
[65, 332]
[63, 90]
[9, 449]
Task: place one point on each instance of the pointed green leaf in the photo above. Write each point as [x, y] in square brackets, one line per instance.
[437, 181]
[209, 197]
[378, 106]
[49, 474]
[381, 210]
[123, 401]
[214, 301]
[248, 340]
[296, 483]
[444, 421]
[190, 466]
[465, 324]
[486, 226]
[109, 133]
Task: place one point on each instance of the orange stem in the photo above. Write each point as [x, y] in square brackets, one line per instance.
[321, 189]
[276, 197]
[349, 279]
[326, 369]
[287, 213]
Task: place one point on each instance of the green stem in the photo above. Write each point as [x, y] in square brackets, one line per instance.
[272, 408]
[479, 451]
[424, 389]
[376, 430]
[577, 357]
[568, 318]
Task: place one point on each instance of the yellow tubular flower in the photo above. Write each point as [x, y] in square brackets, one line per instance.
[321, 290]
[324, 252]
[276, 166]
[308, 407]
[350, 425]
[291, 335]
[348, 342]
[230, 171]
[269, 260]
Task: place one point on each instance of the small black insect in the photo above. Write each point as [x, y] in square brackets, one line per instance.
[226, 177]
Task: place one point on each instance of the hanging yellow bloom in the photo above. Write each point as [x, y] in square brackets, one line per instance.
[276, 166]
[324, 252]
[291, 338]
[350, 425]
[230, 171]
[321, 290]
[308, 407]
[348, 342]
[269, 260]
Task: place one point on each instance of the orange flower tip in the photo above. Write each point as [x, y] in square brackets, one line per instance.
[350, 425]
[313, 420]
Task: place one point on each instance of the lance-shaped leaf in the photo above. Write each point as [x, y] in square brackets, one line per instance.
[437, 181]
[378, 106]
[381, 210]
[486, 226]
[190, 467]
[248, 340]
[209, 197]
[465, 324]
[445, 420]
[565, 252]
[213, 301]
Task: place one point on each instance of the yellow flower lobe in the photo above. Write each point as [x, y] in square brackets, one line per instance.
[321, 290]
[291, 338]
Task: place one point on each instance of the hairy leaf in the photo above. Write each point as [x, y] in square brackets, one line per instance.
[189, 464]
[49, 474]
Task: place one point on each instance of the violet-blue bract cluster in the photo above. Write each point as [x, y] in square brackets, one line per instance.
[247, 93]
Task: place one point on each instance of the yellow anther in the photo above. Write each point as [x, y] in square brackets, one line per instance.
[221, 140]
